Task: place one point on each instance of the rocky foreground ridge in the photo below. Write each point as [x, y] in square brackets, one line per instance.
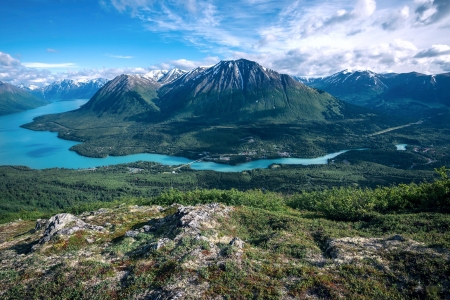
[210, 251]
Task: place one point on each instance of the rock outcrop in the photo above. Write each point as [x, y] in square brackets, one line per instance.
[63, 224]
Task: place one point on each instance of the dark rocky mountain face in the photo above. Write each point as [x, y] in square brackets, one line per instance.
[419, 87]
[14, 99]
[409, 93]
[243, 90]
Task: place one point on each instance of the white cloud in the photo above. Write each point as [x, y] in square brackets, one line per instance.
[120, 56]
[432, 11]
[50, 50]
[48, 66]
[396, 19]
[7, 60]
[302, 37]
[433, 51]
[298, 37]
[186, 64]
[16, 73]
[364, 8]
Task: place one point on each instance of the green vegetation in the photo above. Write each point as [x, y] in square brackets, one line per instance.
[262, 113]
[31, 194]
[13, 99]
[384, 243]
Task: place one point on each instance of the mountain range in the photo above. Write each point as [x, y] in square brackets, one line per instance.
[407, 93]
[67, 89]
[230, 91]
[232, 105]
[14, 99]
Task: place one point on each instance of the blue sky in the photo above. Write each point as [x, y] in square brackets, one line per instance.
[46, 40]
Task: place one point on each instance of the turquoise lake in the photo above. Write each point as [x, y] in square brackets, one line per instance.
[40, 150]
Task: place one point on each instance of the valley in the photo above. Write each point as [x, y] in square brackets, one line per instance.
[266, 230]
[218, 150]
[215, 110]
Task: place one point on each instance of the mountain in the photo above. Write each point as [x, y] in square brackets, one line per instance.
[125, 95]
[68, 89]
[419, 87]
[214, 109]
[14, 99]
[164, 76]
[243, 90]
[232, 91]
[408, 93]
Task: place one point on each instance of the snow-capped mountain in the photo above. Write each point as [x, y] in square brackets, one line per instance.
[230, 91]
[14, 99]
[396, 93]
[67, 89]
[155, 75]
[171, 75]
[164, 76]
[243, 90]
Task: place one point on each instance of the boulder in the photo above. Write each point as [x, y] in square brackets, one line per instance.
[65, 224]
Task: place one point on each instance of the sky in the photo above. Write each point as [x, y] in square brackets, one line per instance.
[42, 41]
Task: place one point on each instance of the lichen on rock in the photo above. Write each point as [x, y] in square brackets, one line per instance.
[64, 224]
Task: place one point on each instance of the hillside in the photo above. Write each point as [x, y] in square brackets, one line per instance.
[230, 108]
[13, 99]
[387, 243]
[412, 94]
[124, 96]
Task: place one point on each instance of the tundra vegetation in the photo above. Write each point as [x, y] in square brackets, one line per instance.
[345, 242]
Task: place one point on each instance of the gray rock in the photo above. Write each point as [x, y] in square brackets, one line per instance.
[40, 223]
[65, 224]
[237, 242]
[160, 243]
[397, 237]
[132, 233]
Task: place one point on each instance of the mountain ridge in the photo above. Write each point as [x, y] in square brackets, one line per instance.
[404, 93]
[215, 109]
[14, 99]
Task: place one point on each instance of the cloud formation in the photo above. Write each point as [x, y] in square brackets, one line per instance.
[397, 19]
[286, 34]
[433, 51]
[120, 56]
[17, 73]
[47, 65]
[297, 37]
[431, 11]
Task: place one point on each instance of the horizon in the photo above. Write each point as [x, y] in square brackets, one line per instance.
[47, 41]
[33, 86]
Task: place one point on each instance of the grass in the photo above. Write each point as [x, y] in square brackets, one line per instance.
[288, 249]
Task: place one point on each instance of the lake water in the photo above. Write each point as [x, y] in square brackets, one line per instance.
[41, 149]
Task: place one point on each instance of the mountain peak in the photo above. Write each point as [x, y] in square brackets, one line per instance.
[240, 90]
[164, 76]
